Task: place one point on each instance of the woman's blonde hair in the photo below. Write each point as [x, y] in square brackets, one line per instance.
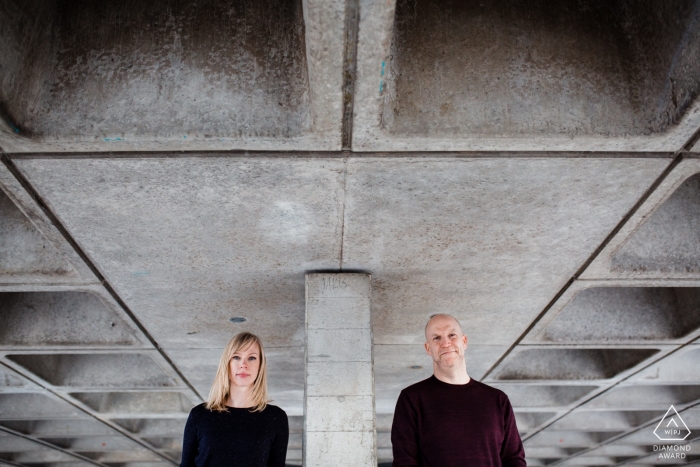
[220, 390]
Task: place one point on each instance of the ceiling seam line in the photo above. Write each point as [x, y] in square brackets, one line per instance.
[33, 193]
[271, 154]
[655, 184]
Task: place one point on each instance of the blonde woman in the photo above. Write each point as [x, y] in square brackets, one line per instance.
[237, 426]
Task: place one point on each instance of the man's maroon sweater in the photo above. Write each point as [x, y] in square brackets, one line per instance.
[465, 425]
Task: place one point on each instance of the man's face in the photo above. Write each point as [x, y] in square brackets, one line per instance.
[445, 342]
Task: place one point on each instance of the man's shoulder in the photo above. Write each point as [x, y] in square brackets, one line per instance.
[490, 390]
[419, 387]
[430, 385]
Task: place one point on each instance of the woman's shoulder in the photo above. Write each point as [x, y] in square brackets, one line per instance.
[199, 409]
[275, 411]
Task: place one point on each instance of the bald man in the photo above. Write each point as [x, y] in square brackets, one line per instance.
[450, 419]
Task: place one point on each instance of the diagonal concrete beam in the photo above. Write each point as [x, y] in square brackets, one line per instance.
[339, 424]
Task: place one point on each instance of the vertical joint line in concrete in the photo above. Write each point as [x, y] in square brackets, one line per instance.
[352, 21]
[86, 259]
[677, 158]
[342, 213]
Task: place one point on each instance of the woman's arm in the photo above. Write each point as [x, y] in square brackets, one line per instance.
[278, 450]
[189, 442]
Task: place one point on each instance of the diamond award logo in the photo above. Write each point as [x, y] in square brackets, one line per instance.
[672, 427]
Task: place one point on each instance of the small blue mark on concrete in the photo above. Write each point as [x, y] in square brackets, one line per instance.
[140, 273]
[12, 125]
[381, 81]
[184, 137]
[112, 139]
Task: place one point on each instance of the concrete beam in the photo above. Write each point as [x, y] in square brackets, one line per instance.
[339, 401]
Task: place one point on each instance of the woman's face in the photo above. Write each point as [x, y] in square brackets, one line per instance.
[244, 366]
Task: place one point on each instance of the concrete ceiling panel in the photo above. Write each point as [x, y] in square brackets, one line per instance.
[16, 444]
[33, 406]
[40, 253]
[560, 364]
[96, 370]
[157, 76]
[446, 75]
[438, 234]
[646, 397]
[58, 427]
[532, 420]
[39, 456]
[25, 254]
[680, 367]
[12, 382]
[619, 314]
[133, 404]
[149, 427]
[660, 241]
[614, 420]
[669, 241]
[569, 438]
[62, 319]
[260, 224]
[539, 396]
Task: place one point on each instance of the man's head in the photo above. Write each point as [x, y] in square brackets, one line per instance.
[445, 342]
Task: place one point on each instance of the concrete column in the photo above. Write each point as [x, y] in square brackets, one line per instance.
[339, 424]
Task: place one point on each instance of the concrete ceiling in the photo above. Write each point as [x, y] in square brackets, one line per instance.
[170, 165]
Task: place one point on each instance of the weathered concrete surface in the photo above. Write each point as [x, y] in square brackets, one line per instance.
[561, 364]
[680, 367]
[466, 221]
[24, 251]
[134, 76]
[667, 246]
[187, 261]
[61, 319]
[32, 250]
[640, 314]
[339, 416]
[669, 241]
[578, 72]
[472, 76]
[96, 370]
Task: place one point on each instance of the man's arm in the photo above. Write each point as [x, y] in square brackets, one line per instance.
[512, 452]
[404, 433]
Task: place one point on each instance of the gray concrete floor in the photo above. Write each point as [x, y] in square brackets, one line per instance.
[166, 167]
